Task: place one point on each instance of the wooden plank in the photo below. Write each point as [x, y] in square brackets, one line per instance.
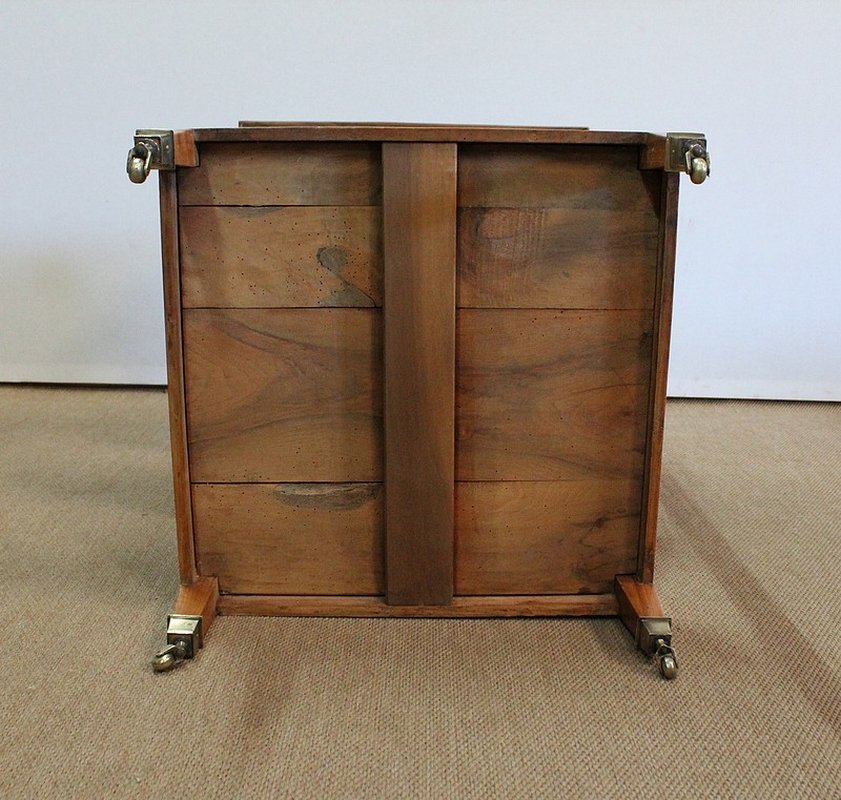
[291, 538]
[556, 258]
[595, 605]
[292, 396]
[419, 212]
[662, 326]
[175, 376]
[559, 537]
[281, 256]
[551, 395]
[573, 177]
[384, 132]
[277, 174]
[411, 126]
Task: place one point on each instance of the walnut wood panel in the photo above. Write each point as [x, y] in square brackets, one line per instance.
[660, 355]
[390, 132]
[175, 376]
[281, 174]
[281, 256]
[291, 538]
[528, 606]
[535, 537]
[419, 213]
[284, 396]
[581, 177]
[556, 258]
[551, 395]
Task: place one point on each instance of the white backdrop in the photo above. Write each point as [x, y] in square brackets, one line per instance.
[758, 278]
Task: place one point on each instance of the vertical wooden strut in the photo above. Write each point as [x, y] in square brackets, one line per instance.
[659, 366]
[419, 220]
[175, 375]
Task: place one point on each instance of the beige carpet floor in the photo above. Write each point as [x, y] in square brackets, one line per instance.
[749, 563]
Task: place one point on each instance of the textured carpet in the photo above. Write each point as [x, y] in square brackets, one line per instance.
[748, 564]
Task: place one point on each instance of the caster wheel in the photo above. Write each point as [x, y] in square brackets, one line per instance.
[668, 667]
[163, 662]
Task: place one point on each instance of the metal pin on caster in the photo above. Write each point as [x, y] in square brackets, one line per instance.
[184, 640]
[654, 637]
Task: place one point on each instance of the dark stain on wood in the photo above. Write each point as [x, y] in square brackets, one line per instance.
[556, 258]
[335, 259]
[281, 257]
[332, 258]
[327, 497]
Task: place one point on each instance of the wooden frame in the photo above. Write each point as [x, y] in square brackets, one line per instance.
[420, 309]
[660, 361]
[175, 377]
[594, 605]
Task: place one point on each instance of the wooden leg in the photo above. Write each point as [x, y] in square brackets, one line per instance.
[199, 599]
[195, 610]
[642, 614]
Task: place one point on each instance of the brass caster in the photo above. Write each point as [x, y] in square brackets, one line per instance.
[184, 640]
[163, 662]
[139, 162]
[699, 168]
[666, 660]
[171, 656]
[153, 149]
[687, 152]
[654, 638]
[668, 667]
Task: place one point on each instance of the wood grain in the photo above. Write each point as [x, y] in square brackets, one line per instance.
[272, 257]
[291, 396]
[592, 605]
[175, 375]
[635, 600]
[280, 174]
[419, 213]
[388, 132]
[186, 152]
[572, 177]
[535, 537]
[660, 360]
[556, 258]
[291, 538]
[653, 154]
[200, 599]
[551, 395]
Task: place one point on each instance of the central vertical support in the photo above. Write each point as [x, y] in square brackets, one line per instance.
[419, 220]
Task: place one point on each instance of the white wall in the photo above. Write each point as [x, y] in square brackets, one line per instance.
[758, 286]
